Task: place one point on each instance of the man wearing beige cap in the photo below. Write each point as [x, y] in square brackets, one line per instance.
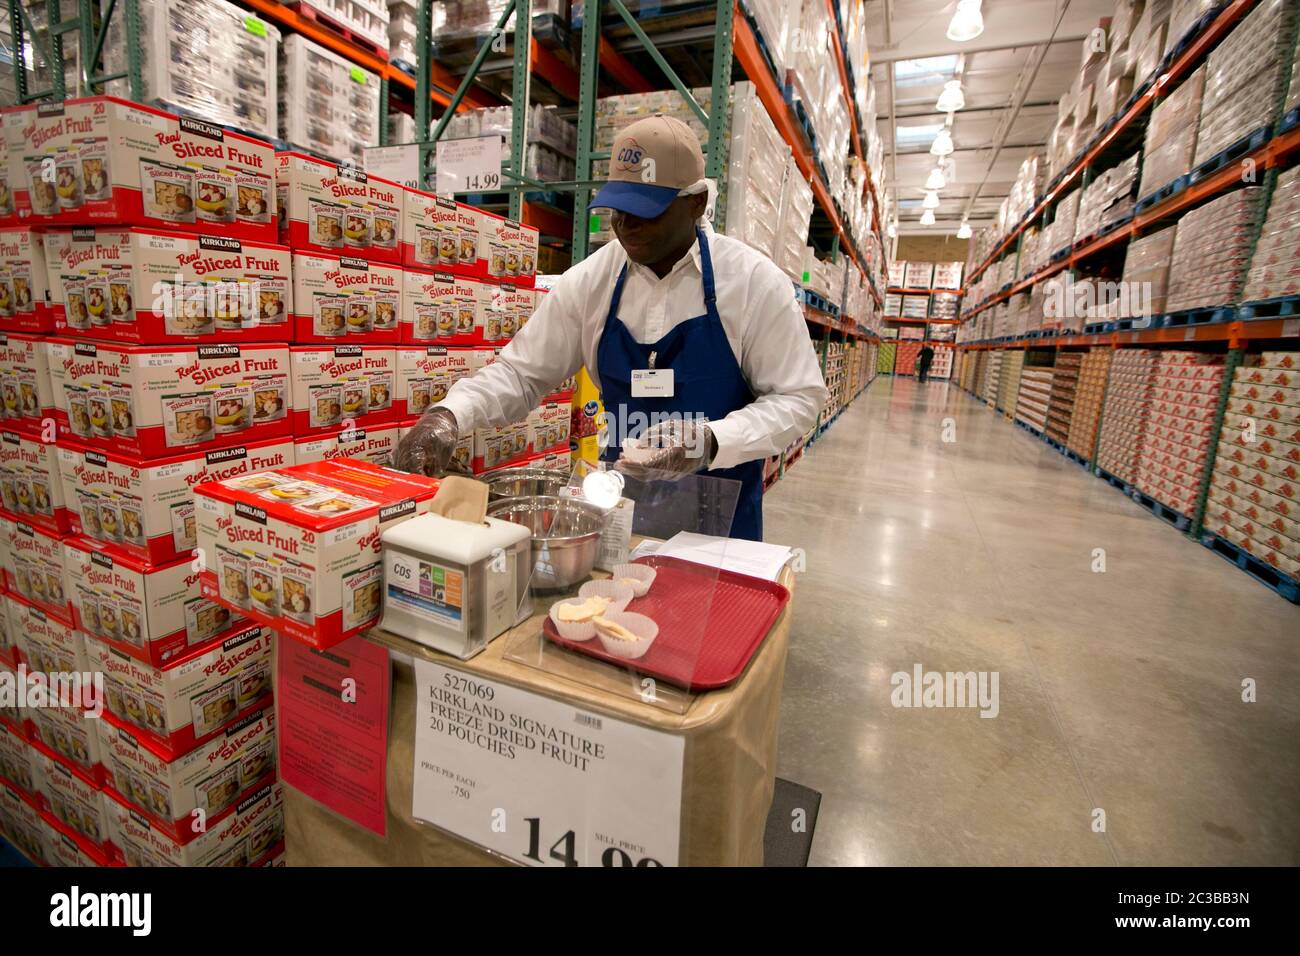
[676, 324]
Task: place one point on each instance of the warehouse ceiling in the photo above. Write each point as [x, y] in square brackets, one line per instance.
[912, 58]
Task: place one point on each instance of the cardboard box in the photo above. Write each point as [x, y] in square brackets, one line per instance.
[377, 445]
[196, 697]
[499, 446]
[26, 392]
[71, 794]
[151, 286]
[153, 612]
[250, 836]
[337, 209]
[298, 549]
[120, 162]
[70, 733]
[445, 236]
[151, 402]
[21, 821]
[213, 778]
[24, 304]
[16, 759]
[445, 308]
[548, 427]
[425, 373]
[151, 502]
[67, 848]
[345, 298]
[507, 249]
[347, 386]
[49, 644]
[29, 481]
[38, 568]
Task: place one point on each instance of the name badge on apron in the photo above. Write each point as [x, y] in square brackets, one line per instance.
[652, 383]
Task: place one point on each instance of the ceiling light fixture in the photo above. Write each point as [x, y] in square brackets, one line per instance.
[963, 231]
[927, 218]
[942, 145]
[967, 23]
[951, 99]
[936, 179]
[931, 200]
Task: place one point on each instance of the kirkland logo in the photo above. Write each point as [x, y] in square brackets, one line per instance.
[435, 350]
[26, 529]
[128, 739]
[348, 171]
[254, 717]
[443, 277]
[4, 340]
[398, 510]
[226, 454]
[250, 512]
[444, 203]
[37, 613]
[50, 109]
[347, 351]
[510, 223]
[103, 560]
[356, 265]
[135, 815]
[98, 459]
[243, 637]
[356, 434]
[220, 244]
[83, 235]
[13, 438]
[218, 351]
[86, 349]
[199, 128]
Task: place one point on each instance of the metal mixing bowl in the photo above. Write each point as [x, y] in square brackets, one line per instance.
[524, 483]
[566, 536]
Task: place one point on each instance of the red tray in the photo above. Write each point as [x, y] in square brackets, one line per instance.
[741, 610]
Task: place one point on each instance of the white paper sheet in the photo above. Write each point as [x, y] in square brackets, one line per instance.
[754, 558]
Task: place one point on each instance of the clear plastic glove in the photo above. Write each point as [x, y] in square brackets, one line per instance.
[429, 445]
[668, 451]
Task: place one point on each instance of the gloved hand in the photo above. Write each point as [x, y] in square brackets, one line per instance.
[668, 451]
[428, 446]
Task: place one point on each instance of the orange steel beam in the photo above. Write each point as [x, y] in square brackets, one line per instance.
[844, 80]
[621, 69]
[554, 70]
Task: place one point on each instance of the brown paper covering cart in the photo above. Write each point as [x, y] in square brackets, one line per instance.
[727, 778]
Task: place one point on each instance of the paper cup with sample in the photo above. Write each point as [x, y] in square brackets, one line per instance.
[167, 191]
[361, 315]
[329, 315]
[263, 586]
[362, 595]
[184, 530]
[326, 225]
[214, 708]
[234, 406]
[188, 418]
[214, 198]
[631, 637]
[232, 577]
[120, 406]
[254, 683]
[358, 228]
[269, 401]
[67, 181]
[120, 307]
[74, 302]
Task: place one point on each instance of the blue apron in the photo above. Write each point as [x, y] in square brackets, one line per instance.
[707, 380]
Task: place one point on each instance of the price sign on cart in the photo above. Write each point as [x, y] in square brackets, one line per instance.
[540, 781]
[469, 165]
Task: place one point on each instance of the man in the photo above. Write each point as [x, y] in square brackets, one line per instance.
[923, 361]
[672, 321]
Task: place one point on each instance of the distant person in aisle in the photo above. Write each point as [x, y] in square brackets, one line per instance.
[671, 320]
[923, 361]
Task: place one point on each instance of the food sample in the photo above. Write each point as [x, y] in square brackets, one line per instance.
[588, 610]
[612, 629]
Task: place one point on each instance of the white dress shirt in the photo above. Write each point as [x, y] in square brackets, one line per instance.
[760, 316]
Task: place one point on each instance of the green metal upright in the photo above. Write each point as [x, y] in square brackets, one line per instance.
[91, 24]
[588, 90]
[521, 73]
[716, 166]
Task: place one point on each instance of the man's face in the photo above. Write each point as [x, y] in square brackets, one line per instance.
[647, 241]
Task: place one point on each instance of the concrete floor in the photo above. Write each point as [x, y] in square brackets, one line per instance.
[1118, 690]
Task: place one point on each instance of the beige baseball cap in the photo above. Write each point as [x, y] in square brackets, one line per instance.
[649, 164]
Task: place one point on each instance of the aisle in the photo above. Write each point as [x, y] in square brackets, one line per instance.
[1118, 690]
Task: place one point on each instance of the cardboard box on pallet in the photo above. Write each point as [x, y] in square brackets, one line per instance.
[299, 548]
[30, 483]
[339, 298]
[150, 503]
[441, 234]
[38, 568]
[349, 386]
[121, 162]
[149, 402]
[25, 386]
[213, 778]
[497, 446]
[548, 427]
[49, 644]
[20, 819]
[425, 373]
[24, 305]
[377, 445]
[439, 307]
[149, 611]
[17, 759]
[156, 287]
[196, 696]
[72, 795]
[70, 733]
[324, 208]
[68, 848]
[249, 836]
